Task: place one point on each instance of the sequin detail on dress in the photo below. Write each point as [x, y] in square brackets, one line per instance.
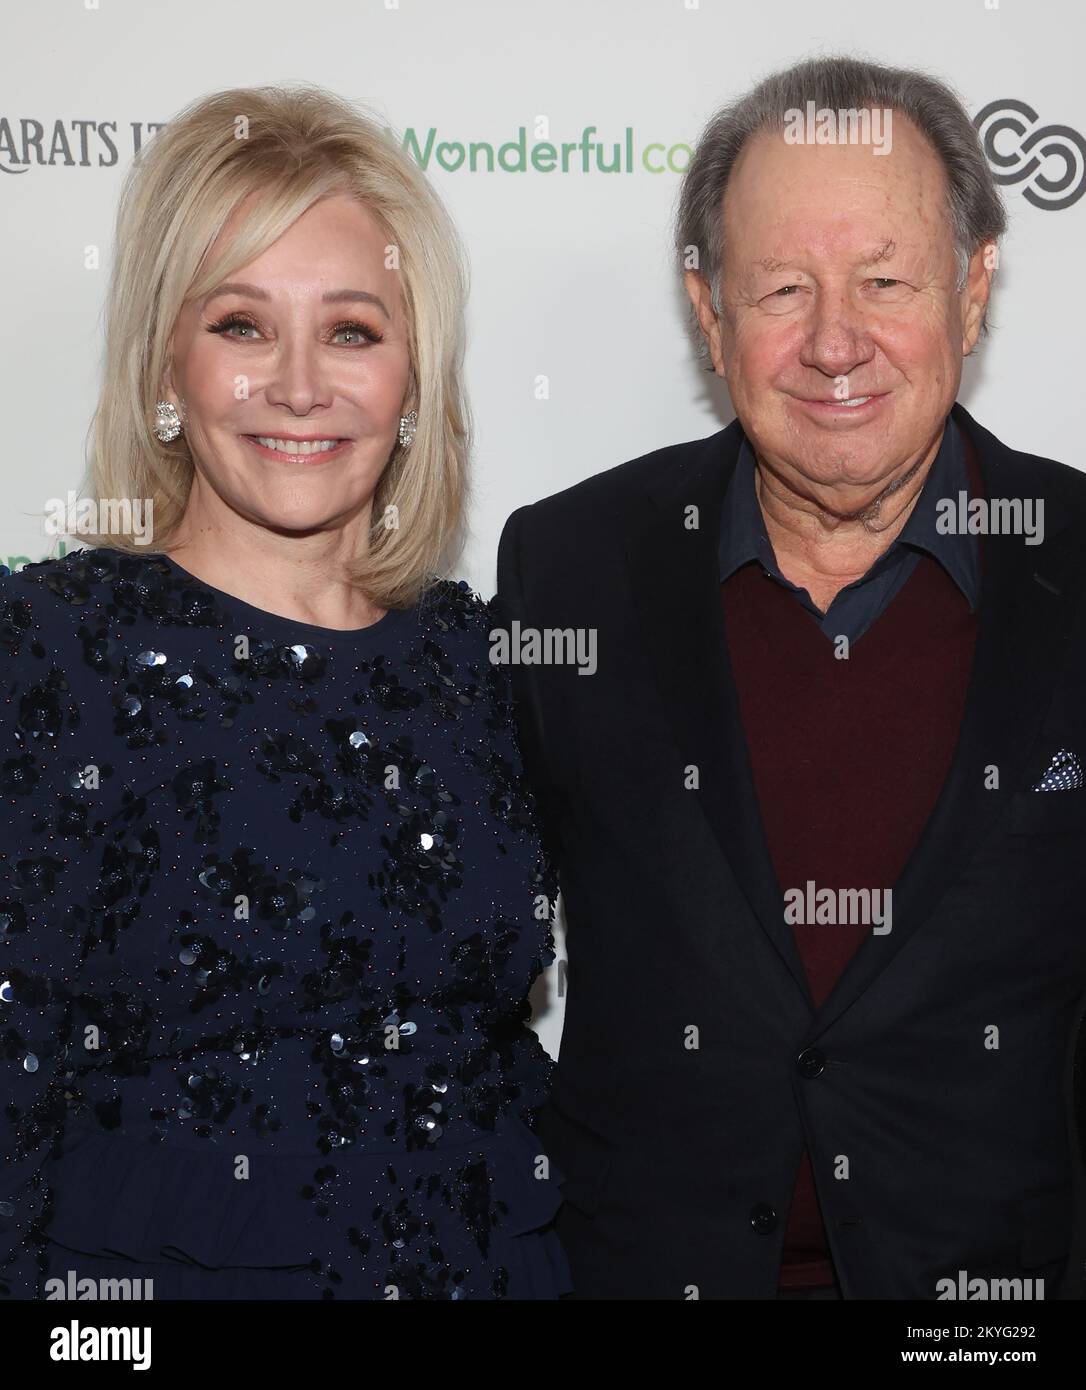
[272, 899]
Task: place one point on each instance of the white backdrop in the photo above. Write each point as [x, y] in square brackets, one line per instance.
[571, 272]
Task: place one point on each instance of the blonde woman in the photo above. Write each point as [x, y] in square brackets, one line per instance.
[272, 894]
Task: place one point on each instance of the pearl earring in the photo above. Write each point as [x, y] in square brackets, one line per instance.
[167, 421]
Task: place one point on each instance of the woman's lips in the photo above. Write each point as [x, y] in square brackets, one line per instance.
[281, 455]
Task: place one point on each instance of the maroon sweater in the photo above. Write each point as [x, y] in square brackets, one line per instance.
[849, 757]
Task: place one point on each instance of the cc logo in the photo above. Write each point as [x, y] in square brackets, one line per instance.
[1032, 144]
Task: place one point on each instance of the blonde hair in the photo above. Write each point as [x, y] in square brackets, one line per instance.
[292, 145]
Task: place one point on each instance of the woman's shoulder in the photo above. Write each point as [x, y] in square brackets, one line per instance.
[67, 604]
[458, 628]
[44, 596]
[77, 584]
[71, 580]
[453, 606]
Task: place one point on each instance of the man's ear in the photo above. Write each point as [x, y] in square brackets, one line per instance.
[978, 288]
[702, 299]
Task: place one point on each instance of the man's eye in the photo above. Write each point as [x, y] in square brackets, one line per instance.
[881, 281]
[784, 289]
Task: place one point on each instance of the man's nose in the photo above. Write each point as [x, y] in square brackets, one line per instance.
[837, 339]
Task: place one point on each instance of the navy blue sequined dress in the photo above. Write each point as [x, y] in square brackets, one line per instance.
[271, 901]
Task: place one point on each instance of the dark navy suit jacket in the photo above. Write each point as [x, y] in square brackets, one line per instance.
[680, 1162]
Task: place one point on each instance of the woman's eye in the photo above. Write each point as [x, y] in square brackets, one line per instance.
[244, 330]
[224, 325]
[880, 282]
[358, 331]
[784, 289]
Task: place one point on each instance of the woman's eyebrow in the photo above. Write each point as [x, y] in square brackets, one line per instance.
[332, 297]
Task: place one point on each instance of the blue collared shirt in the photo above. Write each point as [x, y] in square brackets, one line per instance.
[744, 538]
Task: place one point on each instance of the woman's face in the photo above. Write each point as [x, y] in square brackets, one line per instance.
[307, 343]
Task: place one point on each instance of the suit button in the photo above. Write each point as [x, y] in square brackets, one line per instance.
[763, 1218]
[811, 1062]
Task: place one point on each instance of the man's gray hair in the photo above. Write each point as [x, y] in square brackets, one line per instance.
[838, 83]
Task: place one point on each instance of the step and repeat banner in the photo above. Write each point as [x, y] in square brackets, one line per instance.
[556, 133]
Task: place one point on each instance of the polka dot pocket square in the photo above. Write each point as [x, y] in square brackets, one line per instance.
[1064, 774]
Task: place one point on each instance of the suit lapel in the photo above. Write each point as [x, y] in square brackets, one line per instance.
[1025, 606]
[1024, 610]
[674, 573]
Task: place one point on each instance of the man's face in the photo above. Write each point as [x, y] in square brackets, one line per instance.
[839, 282]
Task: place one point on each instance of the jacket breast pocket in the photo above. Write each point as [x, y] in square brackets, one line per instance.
[583, 1154]
[1046, 813]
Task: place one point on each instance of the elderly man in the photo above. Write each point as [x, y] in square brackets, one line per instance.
[819, 813]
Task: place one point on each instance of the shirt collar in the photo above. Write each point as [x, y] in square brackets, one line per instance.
[743, 535]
